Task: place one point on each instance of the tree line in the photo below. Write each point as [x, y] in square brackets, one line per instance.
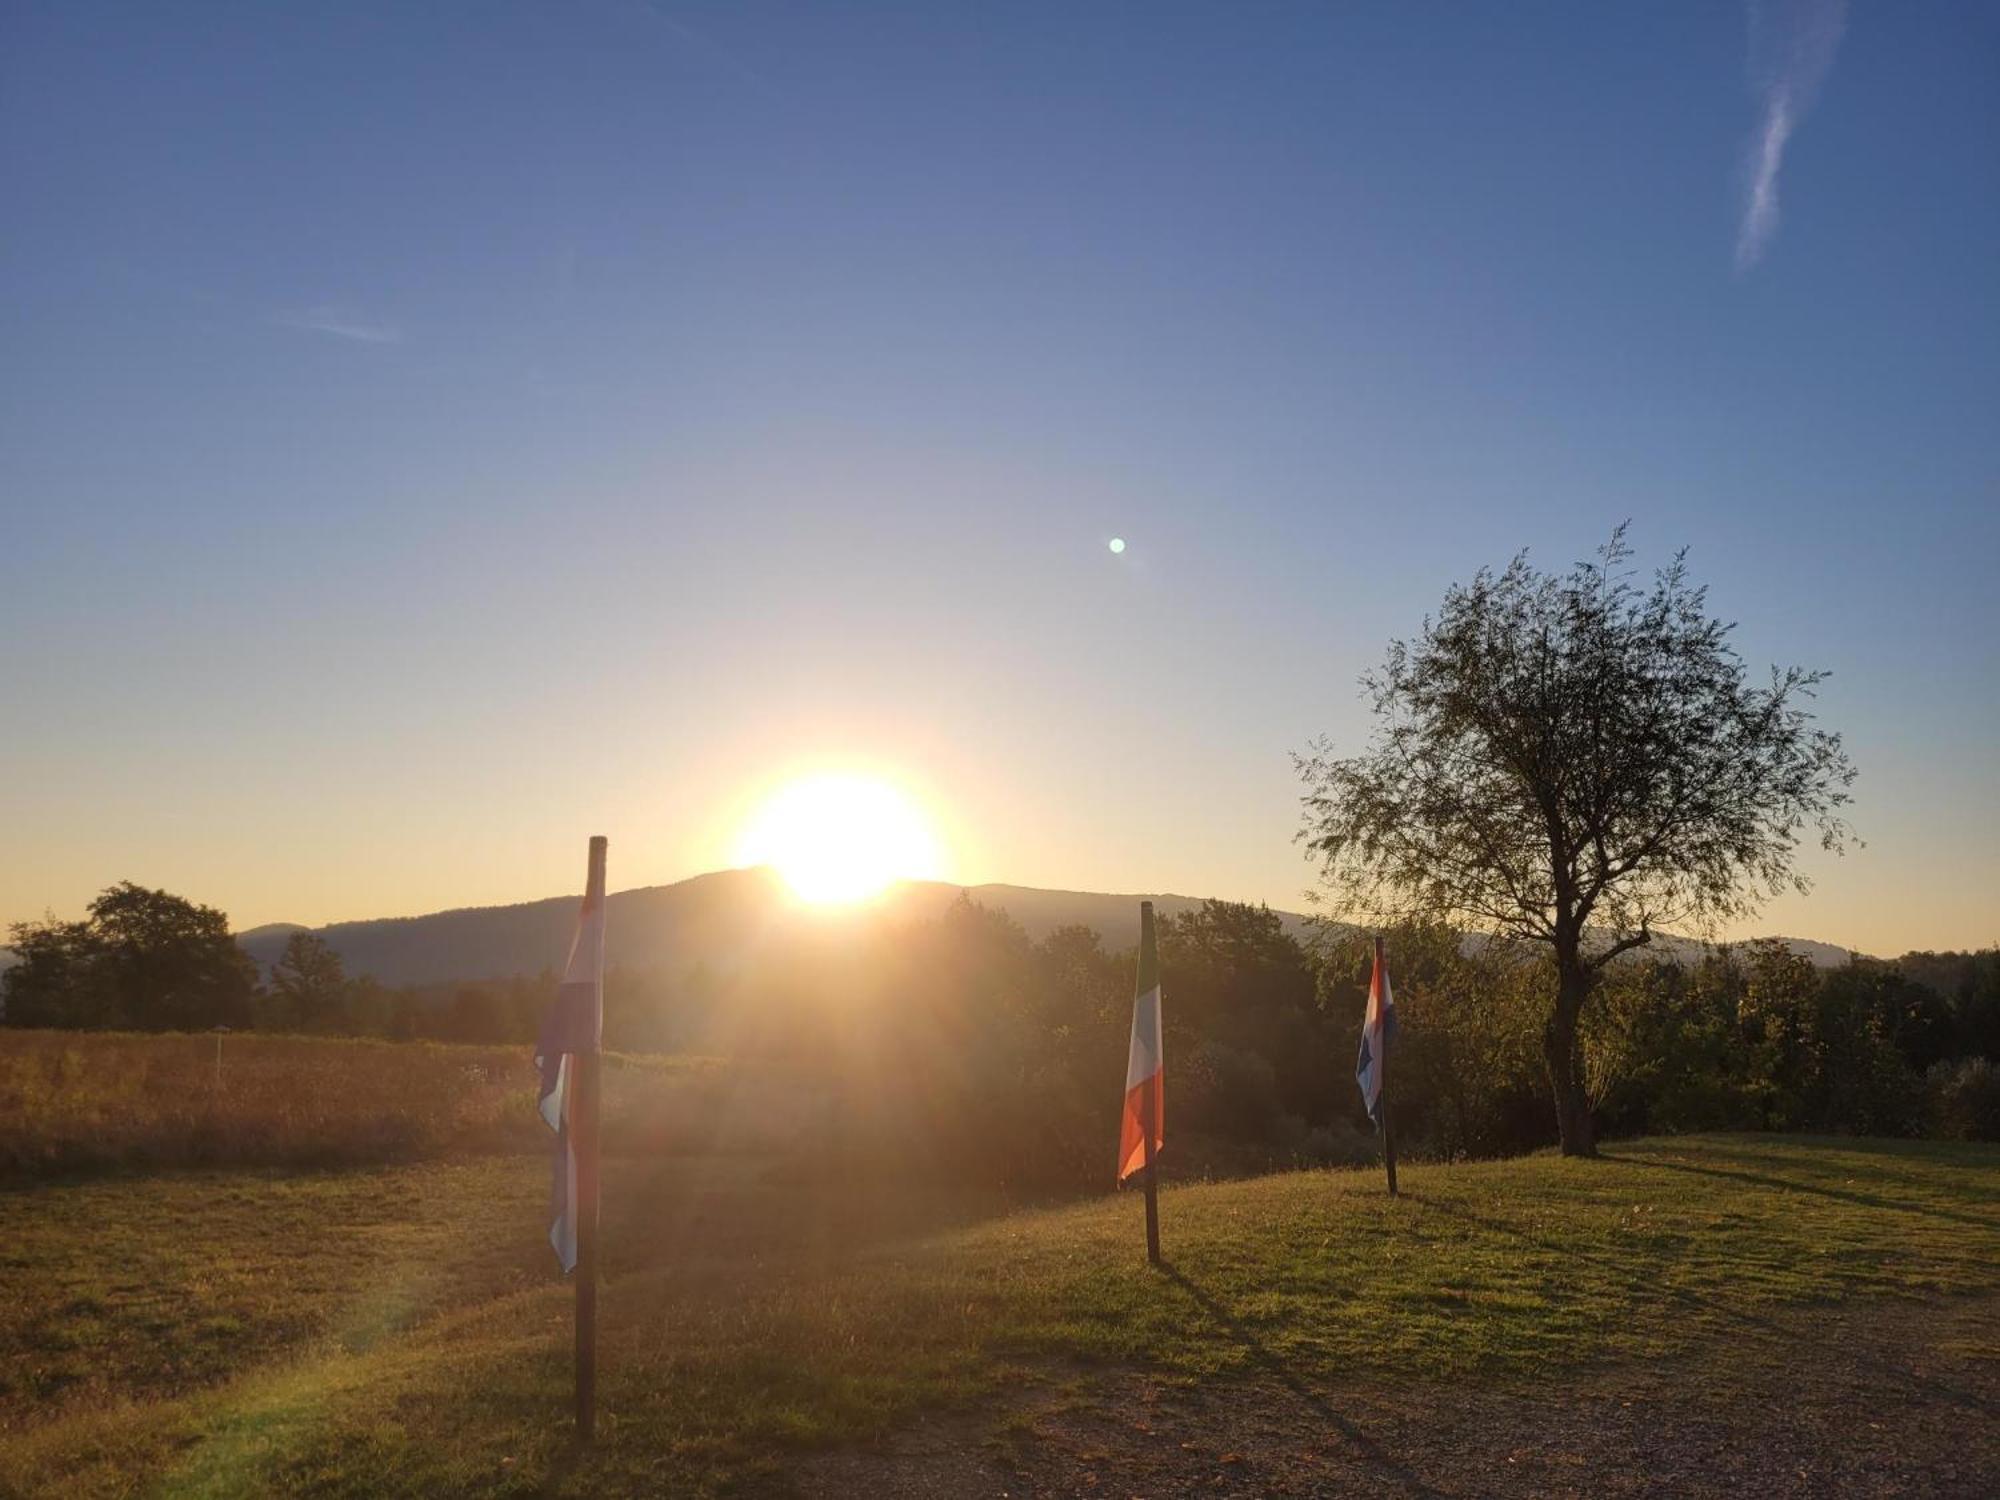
[962, 1046]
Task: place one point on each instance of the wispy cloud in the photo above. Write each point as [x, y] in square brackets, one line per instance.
[1792, 43]
[338, 324]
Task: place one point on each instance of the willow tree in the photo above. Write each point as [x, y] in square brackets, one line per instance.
[1578, 763]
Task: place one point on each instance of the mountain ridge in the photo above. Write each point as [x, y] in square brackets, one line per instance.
[714, 918]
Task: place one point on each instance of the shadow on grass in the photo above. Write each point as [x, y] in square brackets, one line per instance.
[1384, 1468]
[714, 1218]
[1650, 1288]
[1785, 1184]
[563, 1465]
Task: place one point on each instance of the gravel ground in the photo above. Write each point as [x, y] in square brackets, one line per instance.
[1887, 1400]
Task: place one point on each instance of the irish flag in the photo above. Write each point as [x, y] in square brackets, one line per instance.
[574, 1024]
[1145, 1095]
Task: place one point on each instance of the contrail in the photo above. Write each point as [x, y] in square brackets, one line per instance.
[337, 324]
[714, 56]
[1792, 43]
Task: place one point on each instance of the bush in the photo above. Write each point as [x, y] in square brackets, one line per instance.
[1232, 1093]
[1340, 1144]
[1962, 1100]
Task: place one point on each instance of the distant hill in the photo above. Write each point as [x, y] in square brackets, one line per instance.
[715, 919]
[1820, 955]
[708, 919]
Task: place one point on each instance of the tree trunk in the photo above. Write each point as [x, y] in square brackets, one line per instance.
[1565, 1062]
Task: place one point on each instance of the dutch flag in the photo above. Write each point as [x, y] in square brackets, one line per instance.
[1378, 1030]
[574, 1024]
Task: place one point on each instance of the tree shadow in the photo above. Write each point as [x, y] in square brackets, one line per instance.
[1372, 1454]
[1840, 1195]
[1649, 1287]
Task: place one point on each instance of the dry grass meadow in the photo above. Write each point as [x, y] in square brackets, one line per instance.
[83, 1102]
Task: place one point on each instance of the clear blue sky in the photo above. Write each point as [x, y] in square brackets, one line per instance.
[430, 433]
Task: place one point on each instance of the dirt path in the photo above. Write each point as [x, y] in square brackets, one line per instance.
[1888, 1400]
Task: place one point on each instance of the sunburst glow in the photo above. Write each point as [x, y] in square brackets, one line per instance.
[840, 838]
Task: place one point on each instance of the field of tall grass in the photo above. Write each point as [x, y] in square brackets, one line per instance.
[79, 1102]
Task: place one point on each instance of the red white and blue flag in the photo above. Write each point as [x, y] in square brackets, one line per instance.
[574, 1024]
[1378, 1030]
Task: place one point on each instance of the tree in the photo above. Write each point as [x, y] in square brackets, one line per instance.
[142, 959]
[308, 984]
[1567, 760]
[1244, 984]
[55, 982]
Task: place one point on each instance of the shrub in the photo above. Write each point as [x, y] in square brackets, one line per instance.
[1232, 1093]
[1962, 1100]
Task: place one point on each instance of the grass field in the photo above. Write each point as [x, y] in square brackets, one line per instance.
[399, 1329]
[77, 1101]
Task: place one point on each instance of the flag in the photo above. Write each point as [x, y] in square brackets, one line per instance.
[1145, 1094]
[574, 1024]
[1378, 1030]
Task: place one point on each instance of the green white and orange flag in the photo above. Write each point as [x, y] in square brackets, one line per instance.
[1145, 1093]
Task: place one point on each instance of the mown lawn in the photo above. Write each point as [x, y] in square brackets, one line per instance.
[398, 1330]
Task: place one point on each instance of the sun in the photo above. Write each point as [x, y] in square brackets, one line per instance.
[840, 838]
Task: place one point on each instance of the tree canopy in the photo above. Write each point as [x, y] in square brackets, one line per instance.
[308, 984]
[142, 960]
[1574, 761]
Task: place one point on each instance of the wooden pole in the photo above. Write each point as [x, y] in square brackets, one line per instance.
[1382, 1099]
[1149, 980]
[583, 1127]
[1152, 1186]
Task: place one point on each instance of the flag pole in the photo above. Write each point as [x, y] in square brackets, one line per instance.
[1152, 1189]
[583, 1125]
[1382, 1099]
[1145, 1066]
[1152, 1094]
